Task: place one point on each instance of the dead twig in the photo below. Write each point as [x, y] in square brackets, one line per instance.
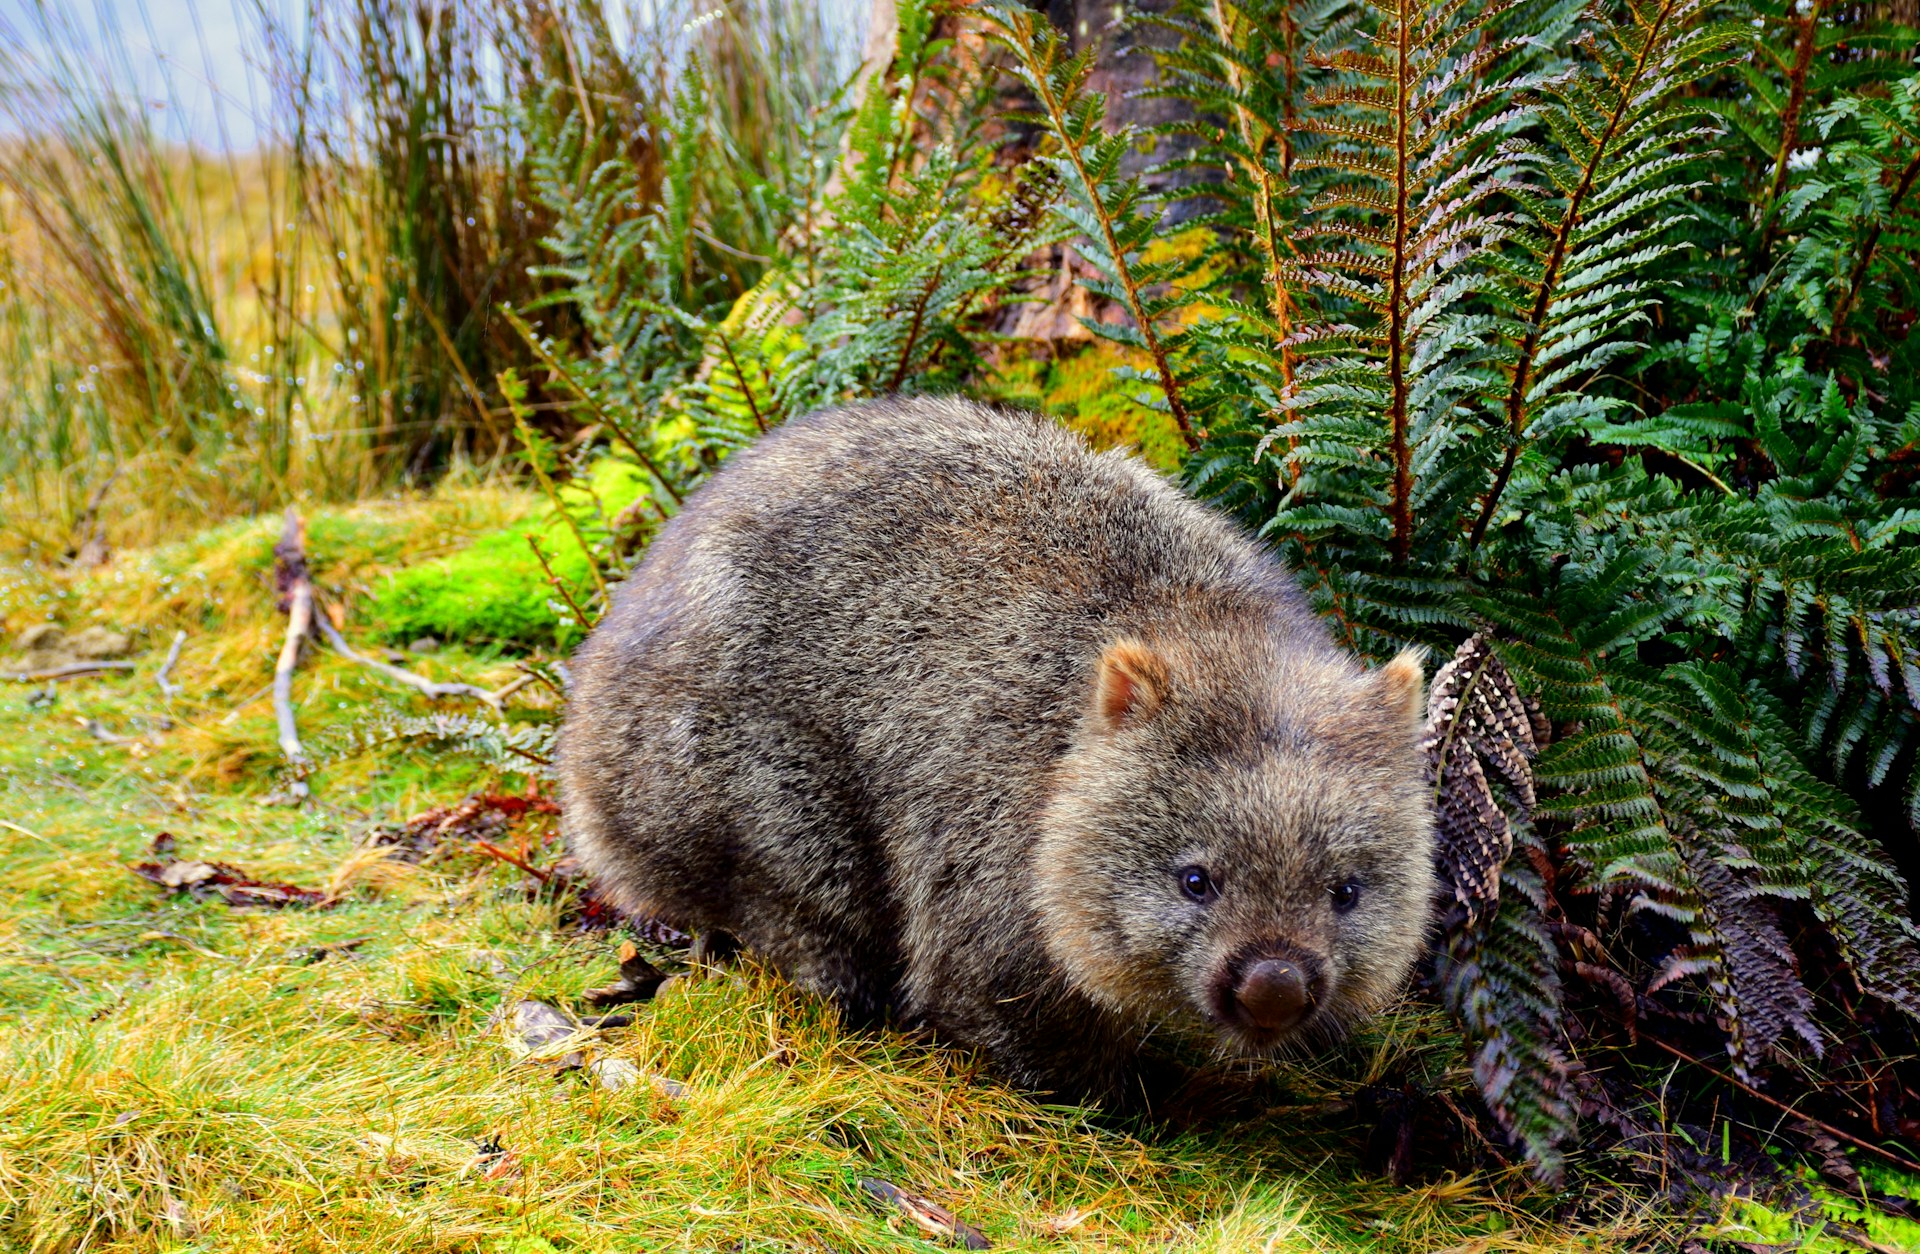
[420, 683]
[295, 585]
[168, 688]
[494, 851]
[69, 671]
[933, 1218]
[99, 731]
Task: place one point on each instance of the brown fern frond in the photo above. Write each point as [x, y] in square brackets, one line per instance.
[1478, 724]
[1756, 982]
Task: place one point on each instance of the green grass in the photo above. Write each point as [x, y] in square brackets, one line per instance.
[185, 1076]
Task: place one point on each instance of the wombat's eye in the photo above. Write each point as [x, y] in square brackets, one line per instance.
[1197, 884]
[1346, 896]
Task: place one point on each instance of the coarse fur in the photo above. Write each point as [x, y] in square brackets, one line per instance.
[955, 720]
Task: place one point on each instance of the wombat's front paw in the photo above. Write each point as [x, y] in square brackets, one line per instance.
[713, 949]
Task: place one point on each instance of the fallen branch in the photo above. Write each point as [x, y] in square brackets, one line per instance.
[420, 683]
[168, 688]
[295, 584]
[68, 671]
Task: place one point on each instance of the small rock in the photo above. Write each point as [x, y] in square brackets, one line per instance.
[425, 644]
[187, 874]
[614, 1074]
[532, 1030]
[40, 638]
[99, 644]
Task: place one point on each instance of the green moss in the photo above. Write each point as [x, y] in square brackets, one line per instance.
[1083, 388]
[1747, 1219]
[494, 591]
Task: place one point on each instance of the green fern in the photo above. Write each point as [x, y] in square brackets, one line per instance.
[1491, 342]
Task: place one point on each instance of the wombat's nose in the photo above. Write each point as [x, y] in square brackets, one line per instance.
[1274, 995]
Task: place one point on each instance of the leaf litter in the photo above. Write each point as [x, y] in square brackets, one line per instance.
[208, 881]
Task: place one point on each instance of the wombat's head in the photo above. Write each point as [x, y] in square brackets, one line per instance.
[1240, 833]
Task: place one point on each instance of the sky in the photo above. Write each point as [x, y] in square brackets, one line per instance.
[185, 60]
[191, 63]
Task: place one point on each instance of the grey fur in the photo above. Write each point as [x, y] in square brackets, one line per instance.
[930, 705]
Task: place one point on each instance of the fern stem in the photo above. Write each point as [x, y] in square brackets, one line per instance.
[1803, 49]
[553, 496]
[1868, 247]
[1516, 406]
[746, 388]
[913, 330]
[1396, 297]
[552, 362]
[559, 588]
[1279, 297]
[1057, 120]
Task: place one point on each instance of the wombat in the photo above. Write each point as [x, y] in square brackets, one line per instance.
[959, 722]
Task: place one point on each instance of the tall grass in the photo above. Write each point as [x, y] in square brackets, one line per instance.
[187, 329]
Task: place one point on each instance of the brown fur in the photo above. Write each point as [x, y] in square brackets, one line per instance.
[937, 710]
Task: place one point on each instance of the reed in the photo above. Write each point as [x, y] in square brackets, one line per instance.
[193, 330]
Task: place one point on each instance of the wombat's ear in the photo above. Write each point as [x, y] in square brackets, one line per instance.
[1404, 681]
[1133, 681]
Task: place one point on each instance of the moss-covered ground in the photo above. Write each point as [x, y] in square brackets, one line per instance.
[184, 1075]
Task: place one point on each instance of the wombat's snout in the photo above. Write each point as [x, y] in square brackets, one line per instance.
[1270, 992]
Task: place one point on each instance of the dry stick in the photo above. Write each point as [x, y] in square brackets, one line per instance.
[502, 693]
[296, 597]
[168, 688]
[67, 671]
[235, 711]
[1905, 1164]
[495, 851]
[420, 682]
